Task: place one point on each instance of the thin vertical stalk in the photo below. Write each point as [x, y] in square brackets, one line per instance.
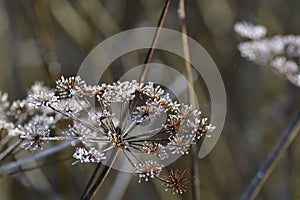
[106, 169]
[273, 158]
[153, 44]
[186, 51]
[194, 163]
[86, 189]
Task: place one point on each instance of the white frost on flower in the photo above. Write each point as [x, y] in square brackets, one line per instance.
[147, 170]
[188, 112]
[21, 110]
[120, 91]
[156, 149]
[48, 121]
[281, 52]
[248, 30]
[181, 144]
[201, 127]
[262, 51]
[34, 136]
[284, 66]
[4, 104]
[6, 128]
[71, 106]
[92, 155]
[151, 90]
[295, 79]
[39, 87]
[72, 86]
[41, 98]
[142, 115]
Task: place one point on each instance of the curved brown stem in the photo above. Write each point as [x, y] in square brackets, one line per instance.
[153, 44]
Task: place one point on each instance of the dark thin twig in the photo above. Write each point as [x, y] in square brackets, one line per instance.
[153, 44]
[106, 169]
[194, 163]
[98, 182]
[85, 191]
[275, 155]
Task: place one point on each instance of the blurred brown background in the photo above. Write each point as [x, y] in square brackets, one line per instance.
[43, 39]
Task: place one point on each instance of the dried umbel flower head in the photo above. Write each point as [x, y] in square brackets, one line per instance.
[34, 137]
[177, 181]
[281, 53]
[138, 120]
[68, 87]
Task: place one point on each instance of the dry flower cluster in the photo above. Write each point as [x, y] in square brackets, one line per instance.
[135, 119]
[280, 52]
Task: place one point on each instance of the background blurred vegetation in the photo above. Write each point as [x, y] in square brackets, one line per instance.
[43, 39]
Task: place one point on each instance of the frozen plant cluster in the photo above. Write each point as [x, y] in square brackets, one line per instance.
[280, 52]
[139, 121]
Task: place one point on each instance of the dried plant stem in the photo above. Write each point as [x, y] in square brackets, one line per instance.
[153, 44]
[264, 172]
[10, 149]
[194, 161]
[91, 180]
[186, 51]
[88, 194]
[106, 169]
[8, 168]
[39, 166]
